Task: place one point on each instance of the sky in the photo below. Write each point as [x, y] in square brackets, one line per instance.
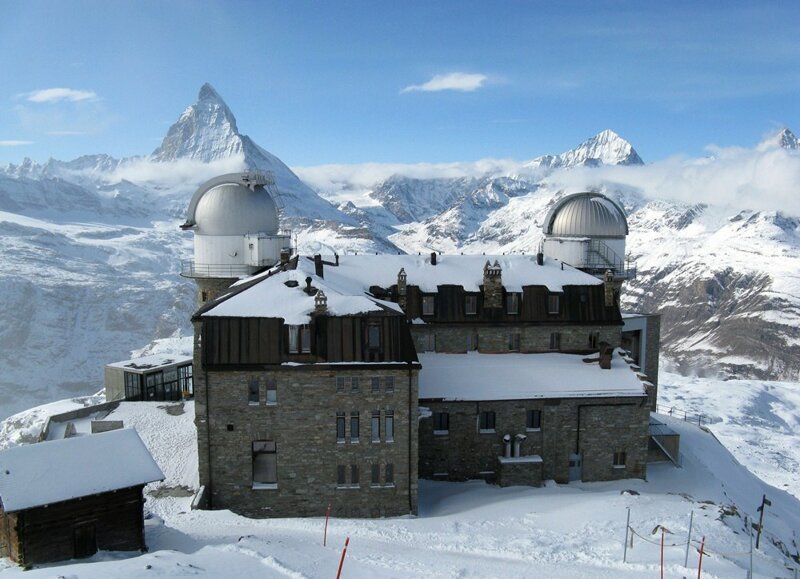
[398, 82]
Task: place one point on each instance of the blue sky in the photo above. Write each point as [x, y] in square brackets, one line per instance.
[406, 82]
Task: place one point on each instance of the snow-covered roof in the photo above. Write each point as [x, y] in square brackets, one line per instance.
[150, 362]
[347, 285]
[50, 472]
[475, 376]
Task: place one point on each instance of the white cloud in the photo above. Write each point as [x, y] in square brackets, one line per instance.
[758, 179]
[460, 81]
[15, 143]
[176, 173]
[54, 95]
[761, 178]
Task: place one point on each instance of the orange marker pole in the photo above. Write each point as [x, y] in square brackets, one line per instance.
[341, 561]
[700, 562]
[325, 535]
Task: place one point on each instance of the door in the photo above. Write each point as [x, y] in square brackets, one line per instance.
[84, 540]
[575, 467]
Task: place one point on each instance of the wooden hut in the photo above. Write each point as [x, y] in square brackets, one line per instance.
[68, 498]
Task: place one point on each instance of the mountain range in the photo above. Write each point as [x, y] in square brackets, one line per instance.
[94, 248]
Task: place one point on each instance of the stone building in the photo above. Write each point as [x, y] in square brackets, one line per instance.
[343, 380]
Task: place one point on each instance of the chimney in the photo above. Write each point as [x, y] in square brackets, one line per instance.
[402, 288]
[605, 355]
[320, 303]
[608, 288]
[540, 258]
[318, 265]
[433, 258]
[308, 289]
[336, 256]
[492, 285]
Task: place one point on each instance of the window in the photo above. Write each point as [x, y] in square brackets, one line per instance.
[619, 459]
[355, 384]
[472, 342]
[441, 422]
[470, 305]
[389, 478]
[354, 426]
[512, 303]
[594, 339]
[204, 296]
[265, 464]
[389, 383]
[341, 473]
[272, 392]
[340, 383]
[389, 426]
[376, 474]
[553, 304]
[374, 336]
[533, 420]
[376, 385]
[185, 380]
[487, 421]
[513, 342]
[340, 426]
[376, 426]
[299, 339]
[555, 341]
[133, 388]
[428, 305]
[252, 392]
[354, 475]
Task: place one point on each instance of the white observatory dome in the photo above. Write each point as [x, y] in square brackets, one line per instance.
[235, 209]
[586, 215]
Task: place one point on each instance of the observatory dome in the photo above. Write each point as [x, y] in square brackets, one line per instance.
[235, 209]
[586, 215]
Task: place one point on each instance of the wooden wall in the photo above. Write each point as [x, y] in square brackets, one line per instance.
[47, 534]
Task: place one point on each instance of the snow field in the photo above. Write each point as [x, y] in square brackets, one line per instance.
[463, 529]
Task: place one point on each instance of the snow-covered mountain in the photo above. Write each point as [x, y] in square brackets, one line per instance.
[91, 247]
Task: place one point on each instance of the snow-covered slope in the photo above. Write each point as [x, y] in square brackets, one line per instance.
[472, 529]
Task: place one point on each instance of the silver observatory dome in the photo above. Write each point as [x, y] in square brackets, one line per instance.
[233, 204]
[586, 215]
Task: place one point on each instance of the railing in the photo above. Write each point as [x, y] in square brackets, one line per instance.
[191, 269]
[694, 418]
[606, 258]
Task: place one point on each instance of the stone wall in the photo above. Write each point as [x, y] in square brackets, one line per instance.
[493, 339]
[302, 423]
[596, 427]
[653, 348]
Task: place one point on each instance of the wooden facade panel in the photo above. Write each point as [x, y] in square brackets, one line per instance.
[110, 521]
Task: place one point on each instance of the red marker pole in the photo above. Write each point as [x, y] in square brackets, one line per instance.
[700, 562]
[325, 535]
[341, 561]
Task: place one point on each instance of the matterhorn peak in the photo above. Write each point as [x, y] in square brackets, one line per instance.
[206, 131]
[786, 139]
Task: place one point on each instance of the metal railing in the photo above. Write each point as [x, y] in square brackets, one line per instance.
[194, 270]
[693, 417]
[600, 257]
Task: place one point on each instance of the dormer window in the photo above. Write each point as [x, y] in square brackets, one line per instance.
[470, 305]
[428, 305]
[553, 304]
[299, 339]
[512, 303]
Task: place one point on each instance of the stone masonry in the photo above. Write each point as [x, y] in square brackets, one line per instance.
[596, 427]
[302, 423]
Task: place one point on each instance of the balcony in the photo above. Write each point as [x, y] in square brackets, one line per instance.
[191, 269]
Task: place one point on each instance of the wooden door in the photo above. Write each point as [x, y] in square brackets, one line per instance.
[84, 540]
